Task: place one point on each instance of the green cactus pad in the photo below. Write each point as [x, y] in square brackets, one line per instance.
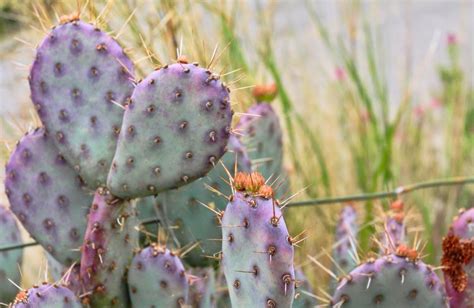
[173, 132]
[187, 220]
[79, 76]
[9, 260]
[47, 196]
[262, 137]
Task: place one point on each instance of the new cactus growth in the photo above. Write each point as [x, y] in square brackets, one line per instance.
[394, 227]
[458, 260]
[183, 210]
[47, 196]
[257, 249]
[345, 246]
[399, 279]
[79, 76]
[46, 296]
[157, 279]
[174, 131]
[9, 260]
[108, 248]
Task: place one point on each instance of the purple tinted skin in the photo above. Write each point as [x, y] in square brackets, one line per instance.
[257, 253]
[174, 132]
[47, 196]
[78, 77]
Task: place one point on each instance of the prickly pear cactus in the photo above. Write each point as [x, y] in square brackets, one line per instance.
[458, 260]
[185, 217]
[399, 279]
[47, 196]
[345, 247]
[174, 130]
[304, 290]
[203, 288]
[79, 76]
[157, 279]
[46, 296]
[108, 248]
[9, 260]
[263, 138]
[394, 227]
[257, 249]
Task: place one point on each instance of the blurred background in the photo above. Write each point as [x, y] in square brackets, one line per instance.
[373, 94]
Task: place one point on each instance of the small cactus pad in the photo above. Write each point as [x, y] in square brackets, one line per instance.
[304, 290]
[9, 260]
[46, 296]
[257, 249]
[395, 280]
[174, 130]
[458, 260]
[79, 76]
[345, 251]
[203, 288]
[156, 278]
[47, 196]
[108, 248]
[262, 137]
[186, 218]
[394, 227]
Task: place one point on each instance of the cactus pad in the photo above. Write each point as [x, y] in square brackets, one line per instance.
[203, 288]
[46, 296]
[108, 248]
[262, 137]
[395, 280]
[174, 130]
[78, 76]
[345, 251]
[303, 298]
[9, 260]
[157, 279]
[257, 250]
[187, 220]
[47, 196]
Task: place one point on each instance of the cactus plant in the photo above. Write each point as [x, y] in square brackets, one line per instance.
[257, 249]
[187, 220]
[398, 279]
[46, 296]
[458, 260]
[345, 251]
[263, 137]
[394, 227]
[108, 247]
[10, 261]
[79, 76]
[157, 279]
[47, 196]
[174, 130]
